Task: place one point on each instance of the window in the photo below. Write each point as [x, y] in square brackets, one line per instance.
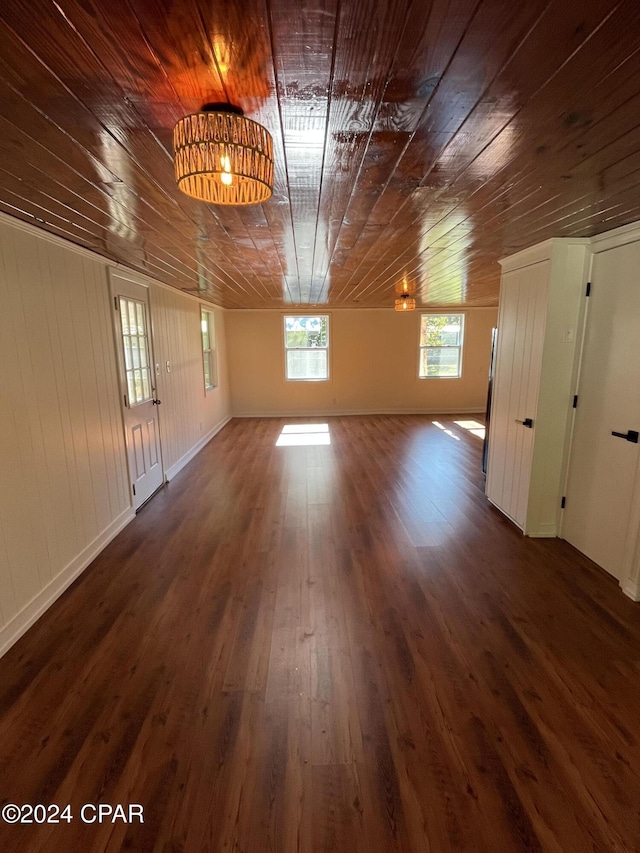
[135, 340]
[441, 346]
[209, 355]
[306, 344]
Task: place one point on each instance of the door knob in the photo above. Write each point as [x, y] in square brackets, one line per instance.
[630, 435]
[527, 422]
[157, 402]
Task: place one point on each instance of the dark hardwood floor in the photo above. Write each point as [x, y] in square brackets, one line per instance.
[330, 648]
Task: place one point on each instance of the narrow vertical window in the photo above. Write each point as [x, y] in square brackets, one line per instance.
[135, 340]
[209, 355]
[306, 344]
[441, 346]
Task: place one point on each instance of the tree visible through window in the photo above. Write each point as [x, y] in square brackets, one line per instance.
[441, 346]
[306, 344]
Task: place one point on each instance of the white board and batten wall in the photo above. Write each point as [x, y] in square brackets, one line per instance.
[563, 473]
[65, 490]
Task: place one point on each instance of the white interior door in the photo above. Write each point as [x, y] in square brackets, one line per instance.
[603, 466]
[137, 379]
[523, 299]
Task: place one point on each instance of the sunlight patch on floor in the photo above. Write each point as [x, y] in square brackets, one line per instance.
[447, 431]
[298, 435]
[474, 427]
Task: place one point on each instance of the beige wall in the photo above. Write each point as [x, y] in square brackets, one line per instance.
[64, 487]
[374, 366]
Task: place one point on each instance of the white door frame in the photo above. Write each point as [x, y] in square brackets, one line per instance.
[630, 570]
[630, 579]
[130, 278]
[630, 573]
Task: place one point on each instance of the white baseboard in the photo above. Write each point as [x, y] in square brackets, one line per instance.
[632, 589]
[325, 413]
[171, 472]
[506, 514]
[23, 620]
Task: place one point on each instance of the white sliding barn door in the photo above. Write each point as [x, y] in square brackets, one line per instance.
[137, 380]
[603, 469]
[523, 301]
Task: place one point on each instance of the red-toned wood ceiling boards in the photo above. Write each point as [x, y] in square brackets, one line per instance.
[412, 139]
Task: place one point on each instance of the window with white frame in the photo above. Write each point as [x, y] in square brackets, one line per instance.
[135, 340]
[209, 354]
[306, 346]
[441, 338]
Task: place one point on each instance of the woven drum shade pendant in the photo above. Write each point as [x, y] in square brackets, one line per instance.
[405, 303]
[405, 300]
[222, 157]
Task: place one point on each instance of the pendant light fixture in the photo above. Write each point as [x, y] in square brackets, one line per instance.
[405, 301]
[223, 157]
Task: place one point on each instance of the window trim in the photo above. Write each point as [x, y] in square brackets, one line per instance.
[460, 346]
[285, 348]
[212, 351]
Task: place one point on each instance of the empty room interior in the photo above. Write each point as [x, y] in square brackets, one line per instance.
[319, 426]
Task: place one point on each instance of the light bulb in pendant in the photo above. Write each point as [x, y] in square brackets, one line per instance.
[226, 177]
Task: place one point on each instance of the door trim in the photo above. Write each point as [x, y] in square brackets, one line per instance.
[628, 576]
[131, 278]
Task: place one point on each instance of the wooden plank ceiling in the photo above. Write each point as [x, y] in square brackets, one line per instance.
[420, 139]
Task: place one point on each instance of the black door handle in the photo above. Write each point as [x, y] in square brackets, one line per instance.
[527, 422]
[157, 402]
[630, 435]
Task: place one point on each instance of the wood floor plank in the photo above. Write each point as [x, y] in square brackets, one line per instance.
[330, 648]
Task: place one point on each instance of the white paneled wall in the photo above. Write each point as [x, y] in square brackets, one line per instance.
[189, 416]
[64, 490]
[64, 485]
